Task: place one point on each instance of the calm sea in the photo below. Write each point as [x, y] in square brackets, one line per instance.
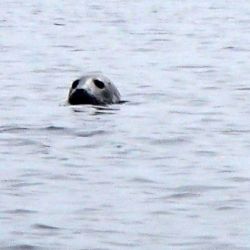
[170, 169]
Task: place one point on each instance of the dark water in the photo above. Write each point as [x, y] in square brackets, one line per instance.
[167, 170]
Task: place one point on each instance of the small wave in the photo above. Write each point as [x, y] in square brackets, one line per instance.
[20, 211]
[12, 129]
[92, 133]
[21, 247]
[45, 227]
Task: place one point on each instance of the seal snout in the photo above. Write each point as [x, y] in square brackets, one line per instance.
[81, 96]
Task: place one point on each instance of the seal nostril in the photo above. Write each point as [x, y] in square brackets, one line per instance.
[75, 83]
[99, 84]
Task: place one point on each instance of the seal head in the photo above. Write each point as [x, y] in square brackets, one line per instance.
[93, 89]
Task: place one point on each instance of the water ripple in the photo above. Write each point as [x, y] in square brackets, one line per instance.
[132, 176]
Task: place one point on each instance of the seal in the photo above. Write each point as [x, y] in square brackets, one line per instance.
[93, 89]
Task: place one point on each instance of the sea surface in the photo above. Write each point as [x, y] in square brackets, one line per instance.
[169, 169]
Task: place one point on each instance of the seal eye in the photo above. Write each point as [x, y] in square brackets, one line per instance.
[99, 84]
[75, 83]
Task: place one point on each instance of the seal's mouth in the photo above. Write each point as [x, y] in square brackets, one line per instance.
[81, 96]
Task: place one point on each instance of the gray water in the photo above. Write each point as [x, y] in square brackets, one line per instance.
[167, 170]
